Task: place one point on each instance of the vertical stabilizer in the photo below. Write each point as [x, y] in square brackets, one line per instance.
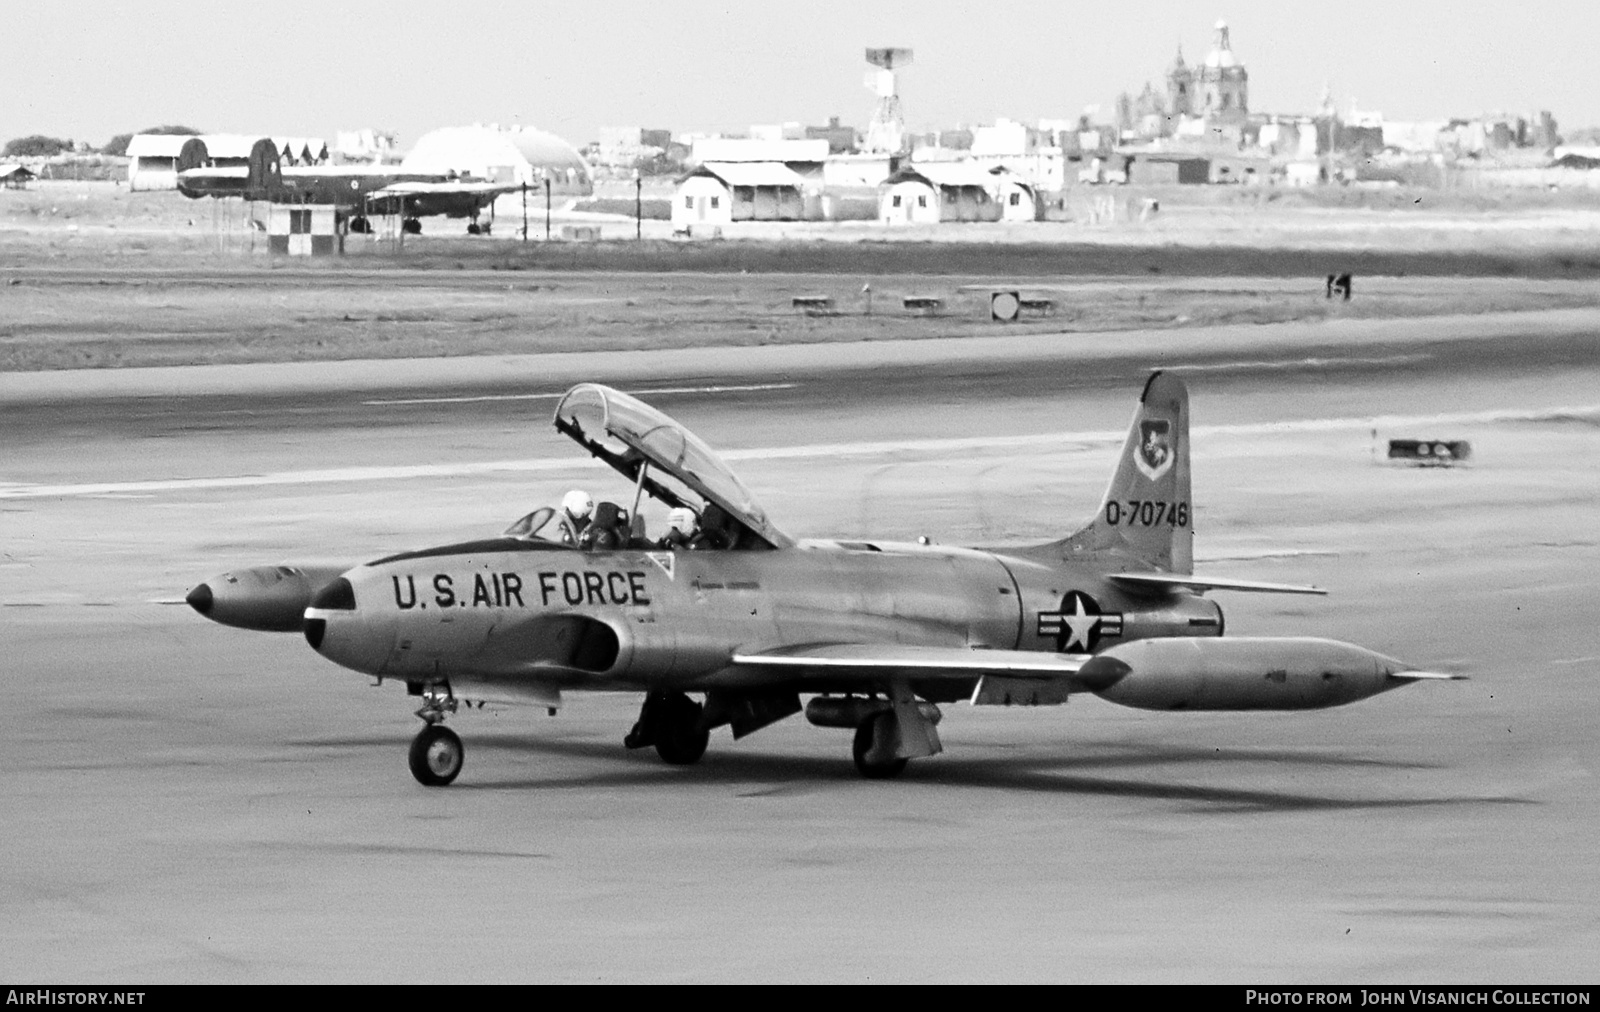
[1147, 515]
[265, 179]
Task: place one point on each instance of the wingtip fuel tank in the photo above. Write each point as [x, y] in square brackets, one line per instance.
[1243, 673]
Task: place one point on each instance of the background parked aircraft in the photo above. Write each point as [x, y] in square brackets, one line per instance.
[359, 191]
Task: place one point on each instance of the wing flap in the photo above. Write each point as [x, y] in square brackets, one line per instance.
[1165, 581]
[871, 663]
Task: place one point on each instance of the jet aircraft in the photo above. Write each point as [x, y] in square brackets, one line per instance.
[878, 635]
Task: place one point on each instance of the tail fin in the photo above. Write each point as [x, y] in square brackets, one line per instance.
[1147, 516]
[266, 171]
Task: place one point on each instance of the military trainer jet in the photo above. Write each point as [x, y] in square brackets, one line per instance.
[879, 635]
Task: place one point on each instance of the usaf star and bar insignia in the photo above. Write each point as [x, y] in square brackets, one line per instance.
[1080, 624]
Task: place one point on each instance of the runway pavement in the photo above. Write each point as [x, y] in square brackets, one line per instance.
[189, 802]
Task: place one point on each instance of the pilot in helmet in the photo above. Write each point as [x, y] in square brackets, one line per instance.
[681, 527]
[576, 508]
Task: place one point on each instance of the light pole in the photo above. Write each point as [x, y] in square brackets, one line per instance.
[524, 211]
[547, 205]
[638, 205]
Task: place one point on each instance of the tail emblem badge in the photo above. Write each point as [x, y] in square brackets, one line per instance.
[1080, 624]
[1154, 455]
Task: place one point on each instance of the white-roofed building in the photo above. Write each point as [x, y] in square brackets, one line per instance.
[14, 176]
[153, 161]
[720, 193]
[229, 149]
[741, 149]
[1018, 199]
[364, 145]
[517, 155]
[216, 151]
[301, 150]
[930, 192]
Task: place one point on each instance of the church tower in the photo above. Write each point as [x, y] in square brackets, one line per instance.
[1224, 86]
[1180, 88]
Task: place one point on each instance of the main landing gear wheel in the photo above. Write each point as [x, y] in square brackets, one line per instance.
[436, 756]
[874, 748]
[680, 740]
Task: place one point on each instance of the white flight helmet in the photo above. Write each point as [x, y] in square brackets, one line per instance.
[577, 503]
[682, 518]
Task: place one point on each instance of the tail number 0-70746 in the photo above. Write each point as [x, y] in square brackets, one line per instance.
[1146, 513]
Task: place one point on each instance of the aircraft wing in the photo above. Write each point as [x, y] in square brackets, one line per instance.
[1163, 581]
[415, 188]
[871, 663]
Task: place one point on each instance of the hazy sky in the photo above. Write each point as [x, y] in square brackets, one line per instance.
[90, 70]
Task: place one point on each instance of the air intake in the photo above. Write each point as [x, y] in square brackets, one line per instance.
[336, 596]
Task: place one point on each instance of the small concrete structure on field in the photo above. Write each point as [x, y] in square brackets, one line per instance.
[304, 230]
[1169, 169]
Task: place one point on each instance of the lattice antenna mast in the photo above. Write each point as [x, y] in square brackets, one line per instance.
[886, 134]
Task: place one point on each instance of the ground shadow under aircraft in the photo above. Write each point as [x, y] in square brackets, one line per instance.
[770, 773]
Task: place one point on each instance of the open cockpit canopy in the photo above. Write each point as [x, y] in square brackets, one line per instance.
[643, 444]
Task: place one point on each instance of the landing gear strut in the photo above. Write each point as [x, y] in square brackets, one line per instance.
[436, 752]
[877, 739]
[671, 722]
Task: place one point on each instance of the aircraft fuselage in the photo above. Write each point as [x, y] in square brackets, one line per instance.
[504, 613]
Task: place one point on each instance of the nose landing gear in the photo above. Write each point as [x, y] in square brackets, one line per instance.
[437, 754]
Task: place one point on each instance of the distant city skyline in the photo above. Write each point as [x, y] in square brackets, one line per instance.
[89, 71]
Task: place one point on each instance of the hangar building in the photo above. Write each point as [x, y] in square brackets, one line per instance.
[518, 155]
[153, 161]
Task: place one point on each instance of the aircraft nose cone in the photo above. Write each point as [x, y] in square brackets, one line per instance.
[200, 599]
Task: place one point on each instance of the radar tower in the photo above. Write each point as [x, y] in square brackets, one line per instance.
[886, 134]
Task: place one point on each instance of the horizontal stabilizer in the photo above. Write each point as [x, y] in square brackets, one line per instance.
[1204, 583]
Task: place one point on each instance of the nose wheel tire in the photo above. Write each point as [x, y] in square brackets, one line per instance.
[436, 756]
[874, 748]
[680, 740]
